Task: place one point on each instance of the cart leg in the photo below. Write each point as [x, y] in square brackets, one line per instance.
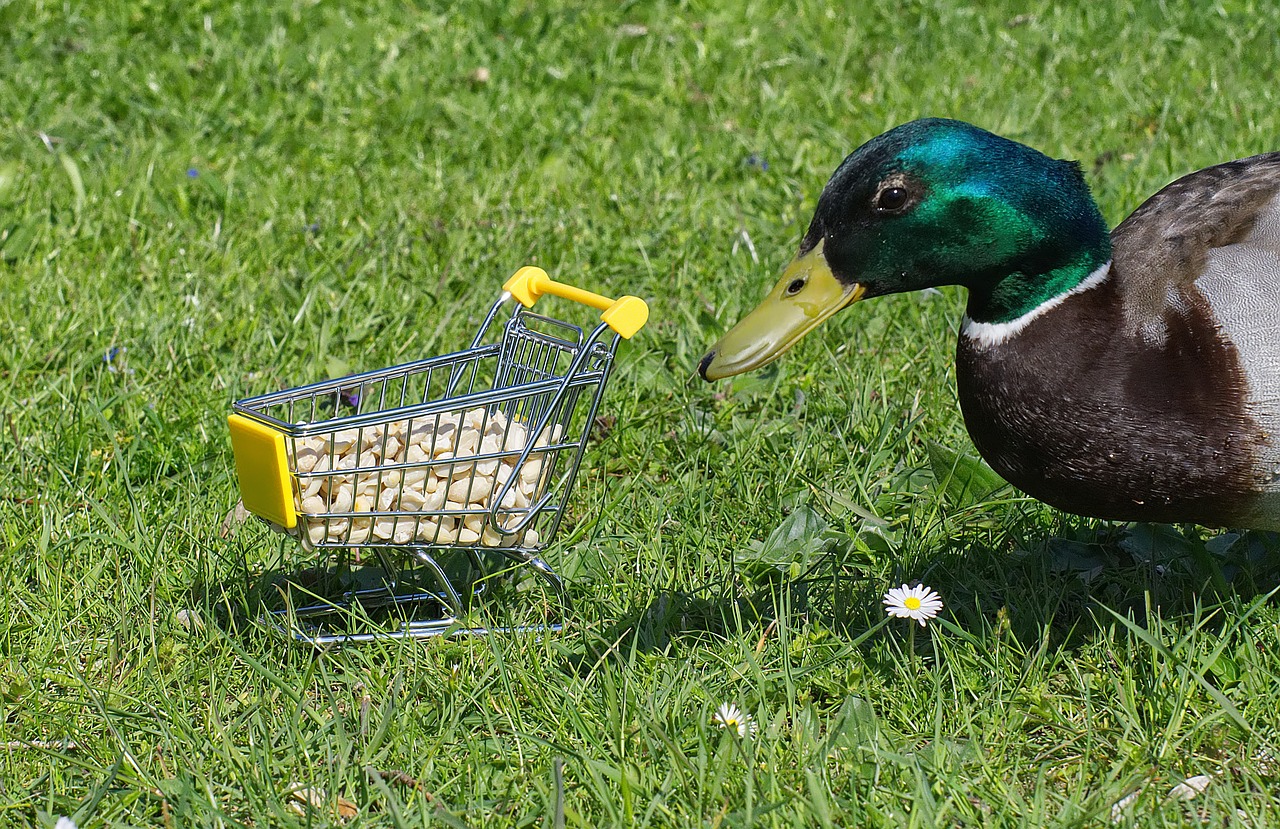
[549, 576]
[296, 622]
[482, 570]
[448, 594]
[393, 573]
[445, 595]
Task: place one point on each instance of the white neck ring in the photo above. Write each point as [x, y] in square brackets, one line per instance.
[988, 334]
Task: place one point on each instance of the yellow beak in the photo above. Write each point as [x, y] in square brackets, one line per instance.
[806, 295]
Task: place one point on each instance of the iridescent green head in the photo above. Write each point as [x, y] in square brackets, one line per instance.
[932, 202]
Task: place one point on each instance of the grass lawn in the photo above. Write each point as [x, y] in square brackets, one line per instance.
[200, 201]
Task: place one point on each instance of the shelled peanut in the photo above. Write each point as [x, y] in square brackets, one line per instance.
[440, 496]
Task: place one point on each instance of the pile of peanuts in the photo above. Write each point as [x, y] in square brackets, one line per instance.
[441, 479]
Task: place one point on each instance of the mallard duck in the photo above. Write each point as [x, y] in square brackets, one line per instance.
[1131, 375]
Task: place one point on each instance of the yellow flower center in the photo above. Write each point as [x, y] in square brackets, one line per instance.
[911, 603]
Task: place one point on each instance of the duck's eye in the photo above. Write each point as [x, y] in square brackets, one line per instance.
[891, 198]
[795, 286]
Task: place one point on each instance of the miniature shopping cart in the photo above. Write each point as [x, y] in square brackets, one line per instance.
[448, 470]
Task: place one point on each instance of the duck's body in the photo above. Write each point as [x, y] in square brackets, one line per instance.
[1134, 376]
[1104, 423]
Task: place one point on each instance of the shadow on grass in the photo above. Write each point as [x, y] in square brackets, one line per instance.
[1047, 590]
[345, 598]
[1041, 590]
[1047, 586]
[829, 593]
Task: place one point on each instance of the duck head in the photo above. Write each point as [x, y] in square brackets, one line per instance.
[932, 202]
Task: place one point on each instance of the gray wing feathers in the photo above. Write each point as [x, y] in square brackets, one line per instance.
[1216, 233]
[1163, 248]
[1241, 282]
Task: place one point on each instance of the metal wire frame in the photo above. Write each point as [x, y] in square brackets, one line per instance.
[542, 373]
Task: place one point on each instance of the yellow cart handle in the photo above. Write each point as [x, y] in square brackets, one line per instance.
[626, 315]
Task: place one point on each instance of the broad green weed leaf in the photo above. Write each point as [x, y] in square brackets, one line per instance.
[77, 183]
[8, 181]
[1158, 543]
[17, 241]
[1085, 560]
[967, 480]
[854, 727]
[793, 544]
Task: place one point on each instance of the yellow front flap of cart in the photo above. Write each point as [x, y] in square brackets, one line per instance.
[263, 470]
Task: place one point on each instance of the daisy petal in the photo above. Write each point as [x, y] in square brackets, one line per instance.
[920, 603]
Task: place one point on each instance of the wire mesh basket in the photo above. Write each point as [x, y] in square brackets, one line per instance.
[439, 467]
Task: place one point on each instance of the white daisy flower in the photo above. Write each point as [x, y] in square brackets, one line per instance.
[920, 603]
[730, 716]
[65, 823]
